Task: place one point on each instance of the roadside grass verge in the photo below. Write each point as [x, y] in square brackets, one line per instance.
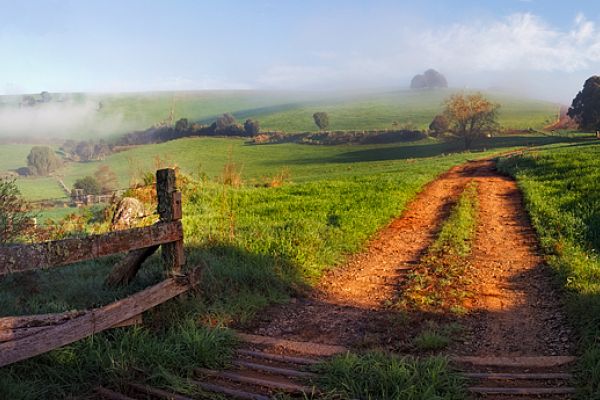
[562, 194]
[376, 375]
[438, 284]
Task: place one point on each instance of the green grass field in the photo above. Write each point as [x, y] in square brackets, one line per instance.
[259, 245]
[257, 163]
[562, 194]
[287, 111]
[292, 112]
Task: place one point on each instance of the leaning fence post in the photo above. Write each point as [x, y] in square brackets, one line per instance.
[169, 209]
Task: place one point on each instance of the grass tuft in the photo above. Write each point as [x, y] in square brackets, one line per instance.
[376, 375]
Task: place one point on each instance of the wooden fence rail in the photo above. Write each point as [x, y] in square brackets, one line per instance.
[23, 337]
[26, 257]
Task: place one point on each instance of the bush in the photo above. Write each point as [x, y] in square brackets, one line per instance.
[251, 127]
[225, 121]
[42, 160]
[89, 184]
[438, 126]
[321, 120]
[14, 218]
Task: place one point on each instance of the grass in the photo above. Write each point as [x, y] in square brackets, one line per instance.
[258, 164]
[438, 283]
[258, 244]
[292, 111]
[380, 376]
[562, 194]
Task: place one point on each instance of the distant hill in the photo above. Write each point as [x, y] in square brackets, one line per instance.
[287, 111]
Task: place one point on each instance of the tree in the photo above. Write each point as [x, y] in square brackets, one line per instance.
[438, 125]
[42, 160]
[430, 79]
[321, 120]
[28, 100]
[585, 109]
[471, 116]
[182, 125]
[106, 178]
[89, 184]
[85, 150]
[418, 82]
[225, 121]
[251, 127]
[46, 97]
[14, 217]
[101, 150]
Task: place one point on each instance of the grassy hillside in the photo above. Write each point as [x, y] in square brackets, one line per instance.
[292, 112]
[113, 114]
[257, 164]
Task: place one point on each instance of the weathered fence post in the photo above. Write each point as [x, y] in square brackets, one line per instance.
[169, 209]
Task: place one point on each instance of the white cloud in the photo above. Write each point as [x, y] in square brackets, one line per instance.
[520, 42]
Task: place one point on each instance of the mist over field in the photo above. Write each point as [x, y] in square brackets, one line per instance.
[57, 120]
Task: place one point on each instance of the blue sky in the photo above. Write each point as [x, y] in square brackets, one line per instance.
[544, 48]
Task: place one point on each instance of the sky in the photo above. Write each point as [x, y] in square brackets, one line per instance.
[540, 48]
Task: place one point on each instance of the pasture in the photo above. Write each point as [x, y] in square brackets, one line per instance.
[259, 245]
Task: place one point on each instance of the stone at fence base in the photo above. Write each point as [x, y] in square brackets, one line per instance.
[128, 210]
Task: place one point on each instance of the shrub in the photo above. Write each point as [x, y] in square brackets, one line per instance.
[251, 127]
[321, 120]
[438, 126]
[42, 160]
[14, 218]
[89, 184]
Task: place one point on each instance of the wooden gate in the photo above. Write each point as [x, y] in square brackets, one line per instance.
[27, 336]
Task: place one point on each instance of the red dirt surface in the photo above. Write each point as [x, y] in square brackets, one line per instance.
[515, 309]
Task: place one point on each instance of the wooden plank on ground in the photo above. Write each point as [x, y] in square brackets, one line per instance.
[16, 258]
[236, 393]
[528, 391]
[315, 349]
[524, 362]
[283, 385]
[91, 322]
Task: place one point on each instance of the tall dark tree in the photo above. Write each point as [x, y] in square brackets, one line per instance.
[251, 127]
[585, 109]
[42, 160]
[321, 119]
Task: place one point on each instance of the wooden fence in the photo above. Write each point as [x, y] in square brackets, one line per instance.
[23, 337]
